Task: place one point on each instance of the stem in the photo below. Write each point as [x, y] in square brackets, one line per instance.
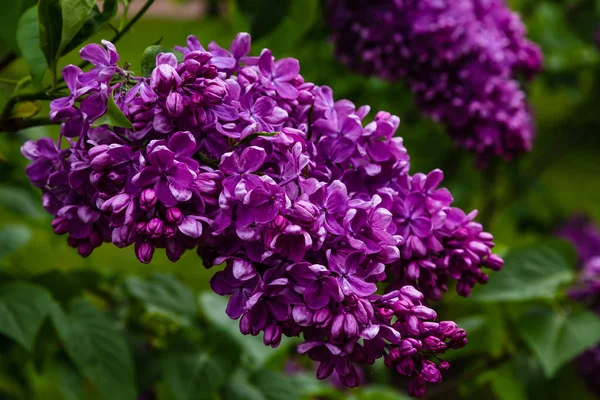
[9, 81]
[490, 176]
[17, 124]
[7, 60]
[126, 28]
[6, 124]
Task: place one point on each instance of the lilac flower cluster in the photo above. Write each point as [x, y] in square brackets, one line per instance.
[459, 58]
[306, 205]
[585, 236]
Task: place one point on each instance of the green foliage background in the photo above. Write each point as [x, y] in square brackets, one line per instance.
[110, 327]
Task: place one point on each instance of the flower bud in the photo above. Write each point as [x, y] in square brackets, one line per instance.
[144, 251]
[148, 199]
[154, 228]
[215, 93]
[272, 336]
[175, 104]
[60, 225]
[174, 215]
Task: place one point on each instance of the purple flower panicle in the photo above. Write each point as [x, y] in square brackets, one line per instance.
[458, 57]
[306, 205]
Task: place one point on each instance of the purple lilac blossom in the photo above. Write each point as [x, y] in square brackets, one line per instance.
[584, 235]
[460, 58]
[308, 206]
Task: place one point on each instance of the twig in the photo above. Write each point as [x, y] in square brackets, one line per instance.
[126, 28]
[16, 124]
[5, 125]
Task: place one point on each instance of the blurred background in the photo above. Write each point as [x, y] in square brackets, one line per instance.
[162, 314]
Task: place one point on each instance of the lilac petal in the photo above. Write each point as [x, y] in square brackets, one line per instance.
[161, 157]
[180, 194]
[341, 149]
[164, 194]
[421, 226]
[147, 176]
[191, 227]
[265, 63]
[381, 218]
[182, 143]
[236, 305]
[415, 204]
[252, 159]
[359, 287]
[180, 175]
[263, 107]
[94, 53]
[243, 270]
[287, 69]
[241, 45]
[71, 73]
[286, 90]
[317, 295]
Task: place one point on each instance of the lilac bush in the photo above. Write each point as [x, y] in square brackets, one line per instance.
[460, 58]
[306, 204]
[584, 235]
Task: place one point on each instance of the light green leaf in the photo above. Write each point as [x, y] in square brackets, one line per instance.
[97, 348]
[13, 237]
[50, 31]
[556, 338]
[28, 37]
[19, 201]
[113, 116]
[96, 19]
[74, 14]
[149, 57]
[23, 309]
[531, 272]
[164, 292]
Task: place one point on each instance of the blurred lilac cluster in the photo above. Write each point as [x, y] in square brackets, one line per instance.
[460, 58]
[582, 233]
[306, 205]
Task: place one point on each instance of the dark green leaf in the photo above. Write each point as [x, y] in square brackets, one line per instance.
[381, 392]
[97, 348]
[50, 31]
[13, 237]
[213, 307]
[556, 338]
[163, 292]
[530, 272]
[275, 385]
[95, 21]
[19, 201]
[23, 309]
[263, 15]
[9, 16]
[71, 384]
[113, 116]
[239, 389]
[149, 57]
[74, 14]
[196, 375]
[28, 37]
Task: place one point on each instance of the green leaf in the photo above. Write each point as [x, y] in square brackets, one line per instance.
[96, 19]
[23, 309]
[113, 116]
[213, 307]
[50, 31]
[531, 272]
[13, 237]
[556, 338]
[239, 389]
[74, 15]
[263, 15]
[19, 201]
[163, 292]
[196, 375]
[97, 348]
[381, 392]
[149, 57]
[9, 16]
[28, 38]
[275, 385]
